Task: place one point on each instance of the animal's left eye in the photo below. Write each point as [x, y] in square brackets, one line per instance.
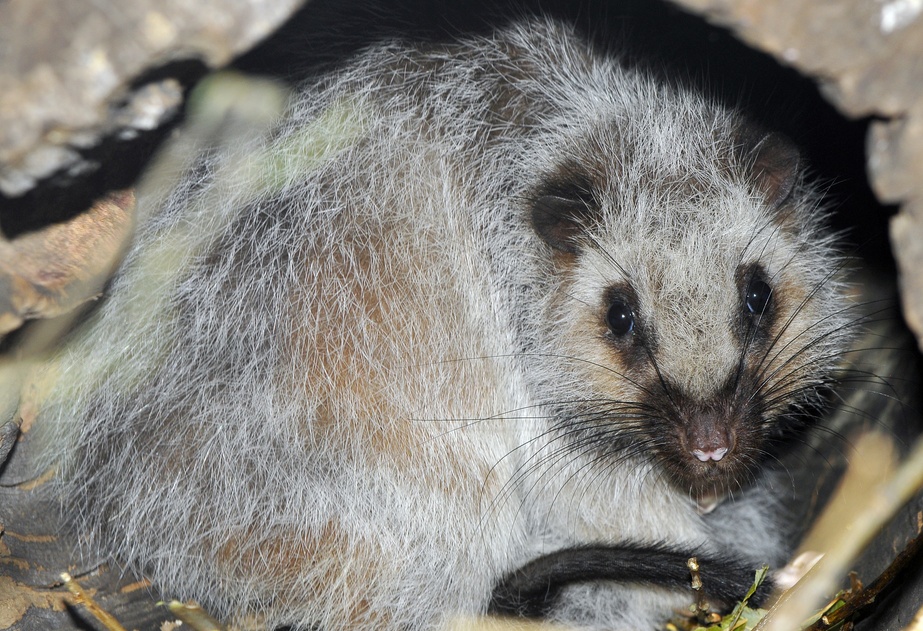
[620, 318]
[758, 296]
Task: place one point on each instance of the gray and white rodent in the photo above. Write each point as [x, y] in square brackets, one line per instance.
[473, 303]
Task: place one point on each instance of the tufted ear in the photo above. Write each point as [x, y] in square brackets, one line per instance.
[561, 221]
[774, 162]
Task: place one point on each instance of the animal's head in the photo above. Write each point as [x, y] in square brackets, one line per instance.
[698, 301]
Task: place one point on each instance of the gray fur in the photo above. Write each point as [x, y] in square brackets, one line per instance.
[337, 393]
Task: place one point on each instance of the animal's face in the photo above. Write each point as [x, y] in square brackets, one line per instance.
[697, 306]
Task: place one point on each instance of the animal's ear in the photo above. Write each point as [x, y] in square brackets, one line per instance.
[561, 221]
[774, 162]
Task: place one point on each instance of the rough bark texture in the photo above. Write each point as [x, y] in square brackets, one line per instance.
[52, 271]
[35, 548]
[74, 72]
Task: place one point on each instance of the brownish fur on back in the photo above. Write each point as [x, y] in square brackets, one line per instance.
[367, 357]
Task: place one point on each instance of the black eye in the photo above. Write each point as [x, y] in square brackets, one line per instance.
[620, 319]
[757, 297]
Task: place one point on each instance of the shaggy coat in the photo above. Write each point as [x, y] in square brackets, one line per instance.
[465, 304]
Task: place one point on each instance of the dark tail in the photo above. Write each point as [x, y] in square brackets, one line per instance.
[531, 590]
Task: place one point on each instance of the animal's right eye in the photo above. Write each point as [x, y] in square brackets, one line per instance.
[620, 318]
[758, 296]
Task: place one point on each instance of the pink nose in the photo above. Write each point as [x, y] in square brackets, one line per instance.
[705, 456]
[709, 441]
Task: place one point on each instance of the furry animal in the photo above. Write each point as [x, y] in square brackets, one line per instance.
[467, 305]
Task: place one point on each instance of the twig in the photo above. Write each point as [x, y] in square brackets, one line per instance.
[193, 615]
[701, 606]
[798, 604]
[864, 598]
[84, 599]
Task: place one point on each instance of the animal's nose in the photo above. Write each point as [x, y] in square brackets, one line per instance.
[715, 454]
[708, 438]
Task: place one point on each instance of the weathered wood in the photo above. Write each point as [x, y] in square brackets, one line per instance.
[50, 272]
[35, 547]
[75, 72]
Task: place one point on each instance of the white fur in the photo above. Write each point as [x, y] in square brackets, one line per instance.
[340, 414]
